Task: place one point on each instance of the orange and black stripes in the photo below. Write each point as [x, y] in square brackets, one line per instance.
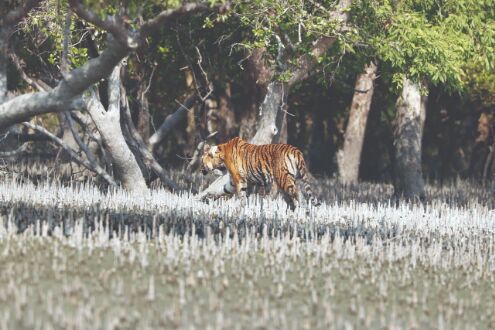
[261, 165]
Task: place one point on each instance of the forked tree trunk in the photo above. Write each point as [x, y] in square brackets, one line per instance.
[348, 158]
[408, 132]
[124, 162]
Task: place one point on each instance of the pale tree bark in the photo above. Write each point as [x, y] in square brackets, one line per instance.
[107, 122]
[140, 146]
[3, 70]
[272, 116]
[272, 111]
[172, 120]
[348, 158]
[408, 132]
[257, 77]
[65, 96]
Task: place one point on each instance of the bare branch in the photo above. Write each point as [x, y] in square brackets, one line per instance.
[198, 152]
[306, 62]
[16, 152]
[63, 97]
[35, 83]
[91, 157]
[172, 120]
[147, 156]
[72, 152]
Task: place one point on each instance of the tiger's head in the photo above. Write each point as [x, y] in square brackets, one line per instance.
[212, 159]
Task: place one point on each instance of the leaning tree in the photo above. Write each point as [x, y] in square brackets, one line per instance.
[90, 96]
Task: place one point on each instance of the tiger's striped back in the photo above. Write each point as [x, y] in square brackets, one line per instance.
[264, 165]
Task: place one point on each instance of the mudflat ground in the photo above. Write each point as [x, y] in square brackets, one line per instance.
[74, 257]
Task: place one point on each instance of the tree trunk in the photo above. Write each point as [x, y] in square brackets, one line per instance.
[144, 118]
[257, 77]
[3, 70]
[225, 115]
[108, 124]
[348, 158]
[408, 132]
[271, 118]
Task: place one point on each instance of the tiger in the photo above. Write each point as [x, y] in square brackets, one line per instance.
[260, 165]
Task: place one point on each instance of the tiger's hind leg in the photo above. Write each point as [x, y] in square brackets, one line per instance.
[290, 192]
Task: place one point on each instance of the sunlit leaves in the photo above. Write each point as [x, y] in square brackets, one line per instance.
[298, 23]
[426, 39]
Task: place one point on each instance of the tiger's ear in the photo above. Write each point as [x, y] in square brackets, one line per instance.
[206, 147]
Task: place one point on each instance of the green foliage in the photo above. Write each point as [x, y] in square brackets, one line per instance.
[481, 84]
[47, 24]
[297, 23]
[418, 49]
[427, 39]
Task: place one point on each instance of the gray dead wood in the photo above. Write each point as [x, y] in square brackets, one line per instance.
[172, 120]
[100, 171]
[107, 122]
[139, 143]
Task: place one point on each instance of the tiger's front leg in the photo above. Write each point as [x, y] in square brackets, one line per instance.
[240, 188]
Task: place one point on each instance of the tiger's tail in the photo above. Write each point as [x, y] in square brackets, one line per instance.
[303, 174]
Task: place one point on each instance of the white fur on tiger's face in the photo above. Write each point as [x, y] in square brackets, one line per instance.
[212, 160]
